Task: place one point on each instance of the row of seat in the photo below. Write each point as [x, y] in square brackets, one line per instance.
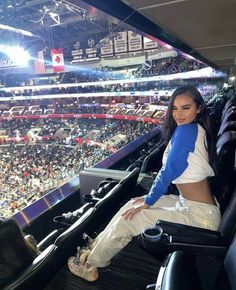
[228, 117]
[55, 255]
[226, 144]
[181, 271]
[144, 151]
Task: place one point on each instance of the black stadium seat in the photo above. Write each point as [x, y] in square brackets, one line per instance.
[136, 163]
[38, 273]
[229, 104]
[181, 271]
[176, 236]
[67, 219]
[153, 161]
[230, 115]
[225, 182]
[227, 126]
[49, 239]
[68, 241]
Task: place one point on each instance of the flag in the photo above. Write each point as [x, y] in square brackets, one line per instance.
[39, 65]
[57, 59]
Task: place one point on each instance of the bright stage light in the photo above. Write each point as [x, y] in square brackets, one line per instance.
[17, 55]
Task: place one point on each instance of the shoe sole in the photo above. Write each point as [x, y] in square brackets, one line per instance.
[87, 279]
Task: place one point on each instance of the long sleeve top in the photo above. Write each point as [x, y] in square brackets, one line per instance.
[185, 160]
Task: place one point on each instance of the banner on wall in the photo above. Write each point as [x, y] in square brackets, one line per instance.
[149, 44]
[91, 53]
[57, 60]
[77, 54]
[106, 46]
[134, 41]
[120, 42]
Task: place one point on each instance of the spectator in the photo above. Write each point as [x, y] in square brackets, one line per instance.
[16, 250]
[187, 162]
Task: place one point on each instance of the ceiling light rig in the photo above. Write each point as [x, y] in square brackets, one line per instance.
[72, 6]
[47, 12]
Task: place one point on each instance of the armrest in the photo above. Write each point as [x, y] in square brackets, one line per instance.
[49, 239]
[89, 198]
[185, 233]
[209, 250]
[167, 237]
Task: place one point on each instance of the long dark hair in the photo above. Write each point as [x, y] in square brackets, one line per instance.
[202, 118]
[15, 253]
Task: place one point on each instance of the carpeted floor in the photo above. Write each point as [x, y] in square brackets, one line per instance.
[132, 269]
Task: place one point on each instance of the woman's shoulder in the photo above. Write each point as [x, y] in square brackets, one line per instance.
[187, 130]
[191, 128]
[186, 135]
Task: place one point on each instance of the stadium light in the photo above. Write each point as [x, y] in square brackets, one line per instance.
[16, 54]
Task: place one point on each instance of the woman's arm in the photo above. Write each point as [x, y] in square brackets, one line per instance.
[182, 143]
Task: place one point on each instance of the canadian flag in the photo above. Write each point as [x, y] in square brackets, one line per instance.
[57, 60]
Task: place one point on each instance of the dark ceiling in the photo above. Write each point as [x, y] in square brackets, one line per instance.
[54, 23]
[202, 28]
[207, 26]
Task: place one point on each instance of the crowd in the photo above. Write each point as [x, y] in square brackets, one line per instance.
[30, 170]
[161, 66]
[159, 88]
[172, 65]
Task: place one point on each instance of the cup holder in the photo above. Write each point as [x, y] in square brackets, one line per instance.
[153, 234]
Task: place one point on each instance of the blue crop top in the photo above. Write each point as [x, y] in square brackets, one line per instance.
[185, 160]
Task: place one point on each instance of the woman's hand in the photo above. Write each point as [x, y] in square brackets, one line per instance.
[129, 214]
[139, 199]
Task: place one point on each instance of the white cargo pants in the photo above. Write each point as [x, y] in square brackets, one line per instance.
[119, 232]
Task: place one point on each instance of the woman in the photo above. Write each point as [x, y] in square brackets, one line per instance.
[187, 162]
[16, 250]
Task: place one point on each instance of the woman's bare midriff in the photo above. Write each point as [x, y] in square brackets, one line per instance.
[198, 191]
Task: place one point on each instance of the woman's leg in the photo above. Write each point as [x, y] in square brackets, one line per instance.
[166, 201]
[120, 232]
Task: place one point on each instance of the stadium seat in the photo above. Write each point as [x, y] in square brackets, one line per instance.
[49, 239]
[67, 219]
[145, 153]
[37, 274]
[229, 104]
[227, 126]
[225, 180]
[68, 241]
[102, 189]
[153, 161]
[181, 271]
[136, 163]
[231, 107]
[230, 115]
[192, 239]
[166, 237]
[122, 191]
